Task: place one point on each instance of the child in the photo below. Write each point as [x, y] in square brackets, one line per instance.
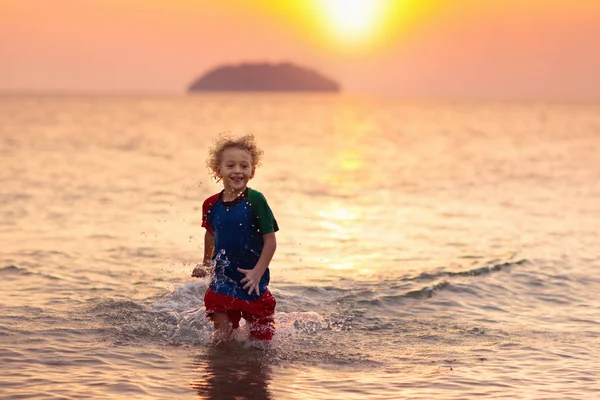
[239, 243]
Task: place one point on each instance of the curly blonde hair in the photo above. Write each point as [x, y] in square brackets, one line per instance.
[225, 141]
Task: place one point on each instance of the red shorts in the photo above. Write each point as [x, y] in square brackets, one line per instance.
[257, 313]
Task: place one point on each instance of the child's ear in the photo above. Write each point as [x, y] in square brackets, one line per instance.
[253, 171]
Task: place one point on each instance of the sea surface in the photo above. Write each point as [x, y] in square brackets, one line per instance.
[428, 250]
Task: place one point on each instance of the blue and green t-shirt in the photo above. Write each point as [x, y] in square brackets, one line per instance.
[237, 228]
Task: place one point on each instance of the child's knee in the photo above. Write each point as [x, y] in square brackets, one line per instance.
[221, 320]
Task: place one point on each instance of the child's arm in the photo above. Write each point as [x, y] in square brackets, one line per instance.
[201, 269]
[253, 276]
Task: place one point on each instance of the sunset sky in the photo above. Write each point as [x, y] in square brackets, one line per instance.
[409, 48]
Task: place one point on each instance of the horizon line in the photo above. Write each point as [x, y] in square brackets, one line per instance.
[367, 94]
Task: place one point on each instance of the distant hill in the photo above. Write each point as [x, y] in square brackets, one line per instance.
[263, 77]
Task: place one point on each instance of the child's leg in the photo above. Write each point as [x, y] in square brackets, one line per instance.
[220, 309]
[222, 326]
[260, 328]
[259, 315]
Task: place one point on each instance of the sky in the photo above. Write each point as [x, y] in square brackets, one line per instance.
[407, 48]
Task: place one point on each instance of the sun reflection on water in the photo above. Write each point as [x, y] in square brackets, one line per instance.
[340, 221]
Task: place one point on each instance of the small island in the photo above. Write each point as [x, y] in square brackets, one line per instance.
[263, 77]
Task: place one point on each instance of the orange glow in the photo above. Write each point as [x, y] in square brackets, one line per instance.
[412, 48]
[351, 27]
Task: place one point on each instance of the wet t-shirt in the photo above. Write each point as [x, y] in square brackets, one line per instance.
[237, 228]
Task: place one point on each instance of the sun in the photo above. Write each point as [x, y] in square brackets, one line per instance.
[349, 27]
[352, 19]
[357, 24]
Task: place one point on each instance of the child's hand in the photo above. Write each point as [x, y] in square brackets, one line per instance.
[251, 280]
[199, 271]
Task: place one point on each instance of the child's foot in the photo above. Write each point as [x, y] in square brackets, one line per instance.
[220, 338]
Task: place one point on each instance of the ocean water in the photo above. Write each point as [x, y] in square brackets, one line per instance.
[426, 250]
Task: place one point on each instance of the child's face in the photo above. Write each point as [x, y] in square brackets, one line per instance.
[235, 169]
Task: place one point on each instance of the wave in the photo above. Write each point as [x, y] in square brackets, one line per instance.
[403, 288]
[14, 272]
[484, 270]
[13, 269]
